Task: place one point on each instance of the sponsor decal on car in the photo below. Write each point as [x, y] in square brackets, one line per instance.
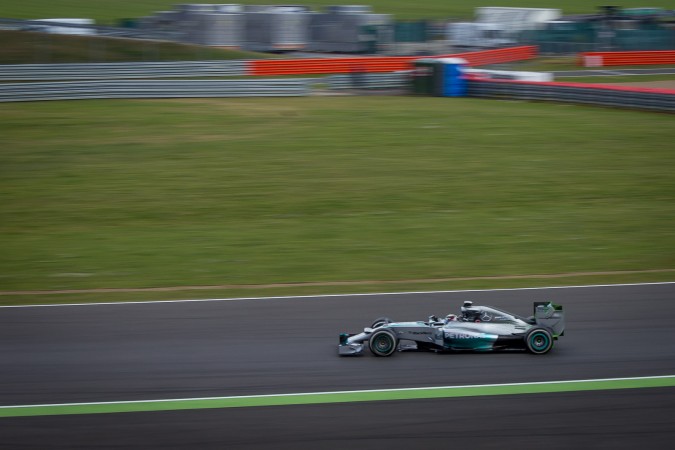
[455, 335]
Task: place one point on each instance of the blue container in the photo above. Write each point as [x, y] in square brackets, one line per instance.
[453, 81]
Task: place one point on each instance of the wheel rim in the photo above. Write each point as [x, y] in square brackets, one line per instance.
[383, 344]
[539, 341]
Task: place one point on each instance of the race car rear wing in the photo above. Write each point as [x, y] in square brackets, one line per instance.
[551, 316]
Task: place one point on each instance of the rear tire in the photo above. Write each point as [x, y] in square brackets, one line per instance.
[539, 341]
[381, 321]
[383, 343]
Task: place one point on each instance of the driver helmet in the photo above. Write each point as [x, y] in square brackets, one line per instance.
[451, 318]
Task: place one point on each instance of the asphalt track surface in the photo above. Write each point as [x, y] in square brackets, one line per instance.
[271, 346]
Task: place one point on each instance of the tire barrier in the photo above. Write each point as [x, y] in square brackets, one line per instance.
[601, 59]
[328, 65]
[191, 69]
[381, 64]
[499, 56]
[593, 94]
[79, 90]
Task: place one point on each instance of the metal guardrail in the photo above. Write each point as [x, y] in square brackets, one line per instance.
[638, 99]
[94, 71]
[78, 90]
[393, 80]
[75, 90]
[623, 98]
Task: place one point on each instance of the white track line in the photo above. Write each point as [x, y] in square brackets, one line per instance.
[292, 297]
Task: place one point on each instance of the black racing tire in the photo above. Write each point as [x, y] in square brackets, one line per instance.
[539, 341]
[380, 321]
[383, 343]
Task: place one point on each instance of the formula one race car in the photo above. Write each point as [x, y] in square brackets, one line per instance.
[477, 328]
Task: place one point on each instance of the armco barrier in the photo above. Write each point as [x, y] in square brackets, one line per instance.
[614, 96]
[392, 80]
[102, 71]
[403, 79]
[77, 90]
[600, 59]
[380, 63]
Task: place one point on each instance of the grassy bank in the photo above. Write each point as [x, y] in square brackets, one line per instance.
[132, 194]
[109, 12]
[22, 47]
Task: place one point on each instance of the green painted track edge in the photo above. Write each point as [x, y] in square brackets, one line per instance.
[335, 397]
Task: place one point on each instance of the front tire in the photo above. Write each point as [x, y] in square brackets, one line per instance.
[539, 341]
[383, 343]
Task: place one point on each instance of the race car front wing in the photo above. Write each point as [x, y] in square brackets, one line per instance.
[352, 344]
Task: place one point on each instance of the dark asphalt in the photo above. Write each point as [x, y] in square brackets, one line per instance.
[613, 420]
[206, 349]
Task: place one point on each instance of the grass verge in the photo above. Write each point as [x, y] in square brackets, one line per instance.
[158, 193]
[254, 291]
[339, 397]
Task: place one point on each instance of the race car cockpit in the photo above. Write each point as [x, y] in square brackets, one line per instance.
[469, 313]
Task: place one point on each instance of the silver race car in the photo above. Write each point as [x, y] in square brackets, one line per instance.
[477, 328]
